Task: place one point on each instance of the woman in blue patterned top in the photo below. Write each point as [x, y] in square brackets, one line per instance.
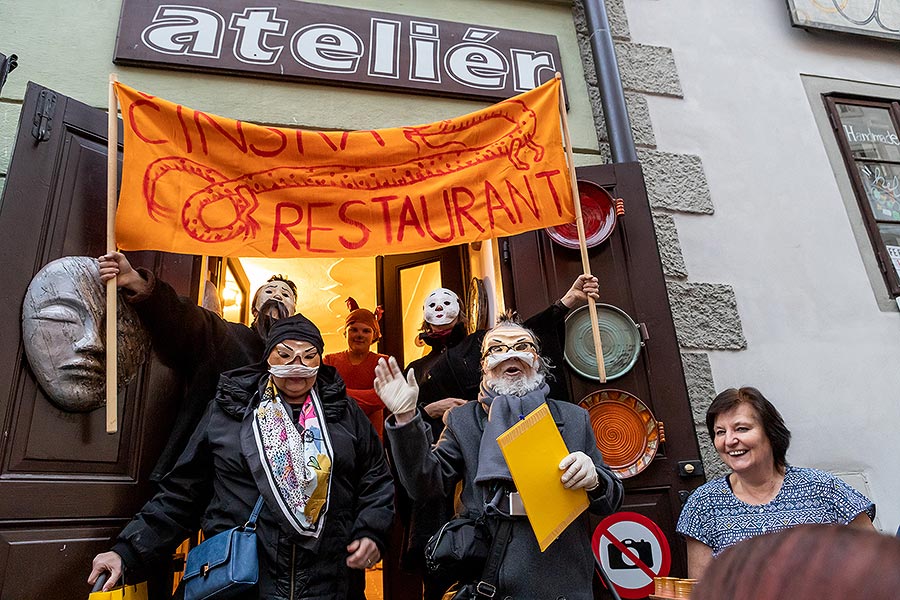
[763, 493]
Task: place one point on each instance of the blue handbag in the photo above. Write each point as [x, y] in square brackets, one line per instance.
[224, 565]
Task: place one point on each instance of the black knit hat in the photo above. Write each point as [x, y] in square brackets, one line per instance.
[297, 328]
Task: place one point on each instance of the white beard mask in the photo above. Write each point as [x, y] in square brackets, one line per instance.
[441, 307]
[515, 387]
[301, 371]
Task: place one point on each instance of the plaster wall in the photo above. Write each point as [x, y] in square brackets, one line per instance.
[818, 342]
[68, 46]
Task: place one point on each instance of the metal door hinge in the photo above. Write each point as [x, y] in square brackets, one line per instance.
[43, 116]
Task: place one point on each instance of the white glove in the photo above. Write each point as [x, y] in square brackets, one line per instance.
[398, 393]
[580, 472]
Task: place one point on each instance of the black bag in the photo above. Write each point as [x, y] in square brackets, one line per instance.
[459, 549]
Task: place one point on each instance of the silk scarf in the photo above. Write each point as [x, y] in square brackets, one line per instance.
[297, 461]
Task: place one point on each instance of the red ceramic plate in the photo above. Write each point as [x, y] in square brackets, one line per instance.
[598, 211]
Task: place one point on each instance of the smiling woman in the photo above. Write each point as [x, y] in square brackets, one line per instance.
[63, 320]
[763, 494]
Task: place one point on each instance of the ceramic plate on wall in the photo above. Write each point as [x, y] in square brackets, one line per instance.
[626, 430]
[598, 211]
[620, 338]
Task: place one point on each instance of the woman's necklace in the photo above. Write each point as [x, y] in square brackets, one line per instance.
[762, 493]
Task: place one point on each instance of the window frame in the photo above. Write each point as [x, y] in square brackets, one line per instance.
[885, 265]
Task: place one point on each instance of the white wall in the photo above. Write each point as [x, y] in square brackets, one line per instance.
[817, 343]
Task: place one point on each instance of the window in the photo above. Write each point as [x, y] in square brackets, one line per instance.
[867, 134]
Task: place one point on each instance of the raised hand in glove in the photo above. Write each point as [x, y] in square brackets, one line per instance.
[398, 393]
[580, 472]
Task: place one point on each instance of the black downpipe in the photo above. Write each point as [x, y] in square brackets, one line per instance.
[612, 98]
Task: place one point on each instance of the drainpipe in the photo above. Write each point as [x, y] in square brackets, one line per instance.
[612, 98]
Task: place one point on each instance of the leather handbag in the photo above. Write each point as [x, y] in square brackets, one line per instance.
[459, 549]
[224, 565]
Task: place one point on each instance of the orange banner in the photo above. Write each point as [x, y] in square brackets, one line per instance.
[197, 183]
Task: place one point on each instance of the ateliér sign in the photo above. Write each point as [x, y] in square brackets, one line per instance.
[285, 39]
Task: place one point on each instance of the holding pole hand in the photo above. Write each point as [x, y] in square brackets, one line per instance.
[398, 393]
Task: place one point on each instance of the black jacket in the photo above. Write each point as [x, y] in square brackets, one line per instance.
[212, 486]
[456, 372]
[197, 344]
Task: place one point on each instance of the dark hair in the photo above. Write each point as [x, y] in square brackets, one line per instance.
[806, 562]
[773, 424]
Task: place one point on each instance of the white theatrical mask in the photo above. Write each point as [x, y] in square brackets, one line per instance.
[441, 307]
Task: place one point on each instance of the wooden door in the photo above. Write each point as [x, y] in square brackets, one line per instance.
[539, 271]
[66, 486]
[389, 272]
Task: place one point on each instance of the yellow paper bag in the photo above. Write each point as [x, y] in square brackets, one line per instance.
[533, 448]
[125, 592]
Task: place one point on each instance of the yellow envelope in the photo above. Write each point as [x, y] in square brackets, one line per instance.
[533, 449]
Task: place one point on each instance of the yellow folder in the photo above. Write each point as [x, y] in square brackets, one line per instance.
[533, 449]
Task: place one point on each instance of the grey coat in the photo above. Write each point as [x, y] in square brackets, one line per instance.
[565, 570]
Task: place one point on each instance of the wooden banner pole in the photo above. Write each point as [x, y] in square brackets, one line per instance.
[112, 173]
[579, 225]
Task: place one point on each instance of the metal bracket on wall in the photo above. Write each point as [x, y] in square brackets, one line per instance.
[7, 66]
[690, 468]
[43, 116]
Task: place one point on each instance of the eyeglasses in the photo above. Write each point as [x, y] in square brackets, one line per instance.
[517, 347]
[288, 354]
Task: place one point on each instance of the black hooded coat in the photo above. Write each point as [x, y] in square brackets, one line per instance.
[213, 485]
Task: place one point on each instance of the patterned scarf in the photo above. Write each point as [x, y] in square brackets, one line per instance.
[503, 413]
[297, 464]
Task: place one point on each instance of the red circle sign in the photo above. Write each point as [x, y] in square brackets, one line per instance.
[633, 550]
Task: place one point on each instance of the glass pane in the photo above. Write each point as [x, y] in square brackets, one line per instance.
[882, 183]
[890, 235]
[870, 132]
[415, 284]
[232, 298]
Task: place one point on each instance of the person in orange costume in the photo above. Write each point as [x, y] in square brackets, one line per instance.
[356, 364]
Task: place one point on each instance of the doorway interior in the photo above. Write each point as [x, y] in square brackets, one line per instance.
[398, 283]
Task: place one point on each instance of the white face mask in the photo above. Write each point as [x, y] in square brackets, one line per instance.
[301, 371]
[528, 358]
[441, 307]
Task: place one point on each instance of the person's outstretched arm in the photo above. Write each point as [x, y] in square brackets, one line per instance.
[183, 333]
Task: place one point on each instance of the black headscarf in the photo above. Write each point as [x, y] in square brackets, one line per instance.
[297, 328]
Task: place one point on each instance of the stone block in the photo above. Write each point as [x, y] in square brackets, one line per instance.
[712, 463]
[648, 69]
[676, 182]
[699, 380]
[706, 316]
[615, 12]
[669, 248]
[638, 116]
